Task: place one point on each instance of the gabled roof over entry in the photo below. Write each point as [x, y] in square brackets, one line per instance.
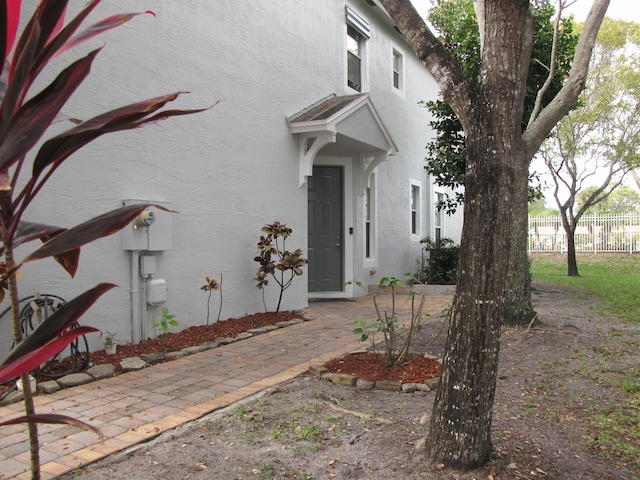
[345, 125]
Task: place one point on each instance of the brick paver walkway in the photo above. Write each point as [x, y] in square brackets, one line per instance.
[138, 406]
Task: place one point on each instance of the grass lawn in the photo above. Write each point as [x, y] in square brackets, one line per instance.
[613, 278]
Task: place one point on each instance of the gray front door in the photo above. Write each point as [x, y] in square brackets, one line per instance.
[325, 205]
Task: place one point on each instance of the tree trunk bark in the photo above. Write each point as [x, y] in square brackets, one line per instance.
[518, 304]
[572, 261]
[490, 109]
[460, 428]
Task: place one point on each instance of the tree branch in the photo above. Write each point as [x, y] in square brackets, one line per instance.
[454, 87]
[552, 65]
[566, 98]
[478, 6]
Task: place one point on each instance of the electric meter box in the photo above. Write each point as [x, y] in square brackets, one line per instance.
[152, 230]
[157, 291]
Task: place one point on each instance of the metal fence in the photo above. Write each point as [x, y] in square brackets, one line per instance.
[595, 233]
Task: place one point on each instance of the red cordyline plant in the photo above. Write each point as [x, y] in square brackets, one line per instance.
[25, 116]
[269, 253]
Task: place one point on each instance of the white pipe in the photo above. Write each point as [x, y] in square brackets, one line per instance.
[136, 330]
[143, 307]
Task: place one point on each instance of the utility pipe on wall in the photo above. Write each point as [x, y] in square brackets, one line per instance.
[136, 327]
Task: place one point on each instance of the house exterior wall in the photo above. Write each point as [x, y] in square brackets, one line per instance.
[232, 169]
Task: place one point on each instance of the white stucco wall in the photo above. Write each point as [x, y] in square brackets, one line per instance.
[233, 168]
[407, 121]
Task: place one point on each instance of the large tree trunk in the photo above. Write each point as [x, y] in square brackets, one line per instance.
[518, 304]
[490, 110]
[460, 429]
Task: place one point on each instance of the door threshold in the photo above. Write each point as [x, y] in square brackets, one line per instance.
[315, 296]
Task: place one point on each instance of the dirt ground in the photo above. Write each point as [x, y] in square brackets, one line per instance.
[309, 428]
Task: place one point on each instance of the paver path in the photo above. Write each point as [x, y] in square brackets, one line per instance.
[138, 406]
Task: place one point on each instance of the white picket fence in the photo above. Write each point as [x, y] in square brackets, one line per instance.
[595, 233]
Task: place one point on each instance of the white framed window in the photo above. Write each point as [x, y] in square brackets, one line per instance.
[416, 209]
[370, 214]
[397, 68]
[354, 58]
[438, 218]
[358, 32]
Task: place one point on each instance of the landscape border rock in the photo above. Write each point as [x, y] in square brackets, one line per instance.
[388, 385]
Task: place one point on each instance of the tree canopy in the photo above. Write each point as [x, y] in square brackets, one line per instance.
[622, 200]
[456, 24]
[538, 208]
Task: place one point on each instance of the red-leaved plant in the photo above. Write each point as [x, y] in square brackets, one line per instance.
[288, 266]
[24, 119]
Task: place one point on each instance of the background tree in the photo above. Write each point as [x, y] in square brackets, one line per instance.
[538, 208]
[490, 107]
[598, 142]
[553, 37]
[622, 200]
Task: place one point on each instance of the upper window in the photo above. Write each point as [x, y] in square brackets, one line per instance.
[397, 70]
[354, 58]
[358, 32]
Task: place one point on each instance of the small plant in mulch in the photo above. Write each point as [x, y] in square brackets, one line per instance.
[276, 261]
[166, 319]
[109, 338]
[211, 286]
[396, 338]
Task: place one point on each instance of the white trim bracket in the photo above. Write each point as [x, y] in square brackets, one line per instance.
[310, 145]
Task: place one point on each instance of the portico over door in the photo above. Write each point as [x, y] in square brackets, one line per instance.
[341, 141]
[343, 126]
[326, 229]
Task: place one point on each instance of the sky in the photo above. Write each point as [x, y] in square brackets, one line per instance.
[621, 9]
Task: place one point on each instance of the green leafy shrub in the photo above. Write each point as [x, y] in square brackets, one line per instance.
[109, 337]
[439, 261]
[166, 319]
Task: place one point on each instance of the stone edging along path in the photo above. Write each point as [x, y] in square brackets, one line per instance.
[388, 385]
[130, 364]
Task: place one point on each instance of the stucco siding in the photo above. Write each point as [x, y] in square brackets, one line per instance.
[231, 169]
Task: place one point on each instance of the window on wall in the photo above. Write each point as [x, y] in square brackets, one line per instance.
[397, 70]
[415, 208]
[358, 32]
[439, 216]
[367, 223]
[369, 207]
[354, 58]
